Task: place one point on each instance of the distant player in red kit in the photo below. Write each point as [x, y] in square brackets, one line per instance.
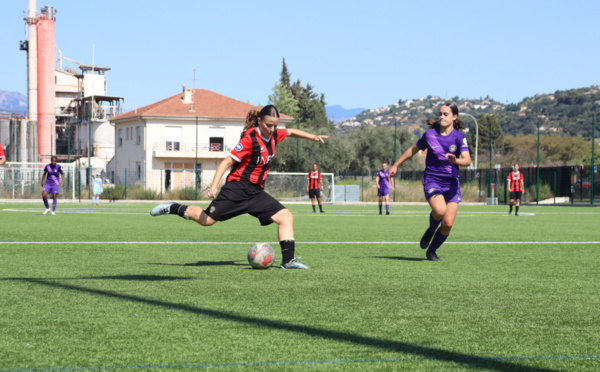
[244, 190]
[314, 186]
[2, 156]
[515, 186]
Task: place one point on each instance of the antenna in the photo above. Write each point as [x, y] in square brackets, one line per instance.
[194, 84]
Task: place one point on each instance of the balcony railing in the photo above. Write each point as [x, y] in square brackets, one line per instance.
[189, 147]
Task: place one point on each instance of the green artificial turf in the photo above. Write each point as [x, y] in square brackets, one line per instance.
[109, 287]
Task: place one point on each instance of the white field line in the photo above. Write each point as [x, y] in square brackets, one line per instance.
[368, 214]
[322, 243]
[394, 214]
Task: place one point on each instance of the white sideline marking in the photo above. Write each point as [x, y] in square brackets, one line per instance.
[71, 211]
[251, 243]
[338, 214]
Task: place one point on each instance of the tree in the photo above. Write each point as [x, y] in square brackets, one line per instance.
[308, 107]
[373, 145]
[283, 99]
[486, 121]
[285, 76]
[335, 155]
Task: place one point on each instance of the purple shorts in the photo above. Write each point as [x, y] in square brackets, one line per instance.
[51, 188]
[383, 191]
[450, 190]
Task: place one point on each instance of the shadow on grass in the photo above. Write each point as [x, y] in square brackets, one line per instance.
[148, 278]
[204, 263]
[471, 361]
[401, 258]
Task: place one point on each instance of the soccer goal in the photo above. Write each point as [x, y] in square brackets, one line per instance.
[23, 181]
[291, 187]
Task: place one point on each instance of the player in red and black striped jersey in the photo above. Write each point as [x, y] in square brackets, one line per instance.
[2, 156]
[243, 192]
[515, 187]
[314, 186]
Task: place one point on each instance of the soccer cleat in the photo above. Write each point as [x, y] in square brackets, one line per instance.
[322, 211]
[52, 213]
[426, 239]
[516, 214]
[387, 213]
[47, 211]
[162, 209]
[379, 212]
[294, 264]
[432, 257]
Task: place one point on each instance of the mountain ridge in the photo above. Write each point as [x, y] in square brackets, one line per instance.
[13, 101]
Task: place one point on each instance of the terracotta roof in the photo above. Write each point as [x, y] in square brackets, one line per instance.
[206, 103]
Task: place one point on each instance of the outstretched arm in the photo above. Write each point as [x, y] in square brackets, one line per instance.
[302, 134]
[225, 164]
[407, 155]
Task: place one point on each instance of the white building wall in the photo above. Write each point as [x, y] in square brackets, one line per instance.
[93, 84]
[102, 141]
[156, 160]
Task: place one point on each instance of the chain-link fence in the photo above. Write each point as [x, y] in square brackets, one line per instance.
[24, 181]
[557, 185]
[578, 185]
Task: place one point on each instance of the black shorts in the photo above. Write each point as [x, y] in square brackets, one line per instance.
[516, 195]
[236, 198]
[314, 193]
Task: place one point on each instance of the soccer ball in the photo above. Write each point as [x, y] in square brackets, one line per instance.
[261, 256]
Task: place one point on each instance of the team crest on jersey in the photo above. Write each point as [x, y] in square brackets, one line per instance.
[452, 148]
[262, 149]
[431, 190]
[239, 146]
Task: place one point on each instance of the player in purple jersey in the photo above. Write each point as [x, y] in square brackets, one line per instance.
[446, 150]
[384, 185]
[53, 175]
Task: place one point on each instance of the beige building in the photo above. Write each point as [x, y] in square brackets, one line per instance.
[157, 146]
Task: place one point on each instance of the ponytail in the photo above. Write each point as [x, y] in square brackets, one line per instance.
[251, 121]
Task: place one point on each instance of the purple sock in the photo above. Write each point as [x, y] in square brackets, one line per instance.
[433, 223]
[387, 207]
[438, 240]
[54, 202]
[46, 203]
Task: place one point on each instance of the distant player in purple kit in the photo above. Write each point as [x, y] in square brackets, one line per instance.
[53, 175]
[446, 150]
[384, 185]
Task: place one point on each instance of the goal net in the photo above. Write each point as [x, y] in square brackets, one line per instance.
[291, 186]
[24, 181]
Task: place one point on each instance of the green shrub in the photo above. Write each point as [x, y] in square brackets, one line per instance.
[145, 194]
[545, 192]
[113, 193]
[188, 193]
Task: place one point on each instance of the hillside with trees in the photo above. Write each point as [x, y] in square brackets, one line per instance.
[360, 150]
[565, 120]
